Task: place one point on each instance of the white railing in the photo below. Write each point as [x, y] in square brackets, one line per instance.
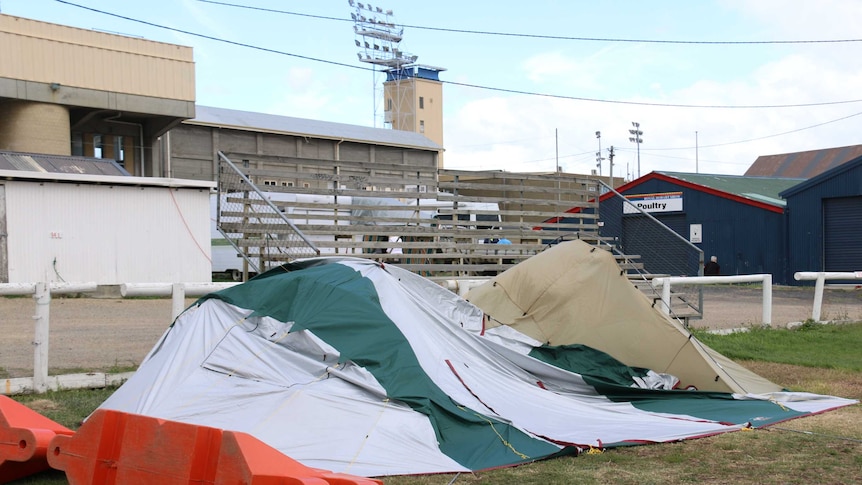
[41, 382]
[765, 279]
[820, 281]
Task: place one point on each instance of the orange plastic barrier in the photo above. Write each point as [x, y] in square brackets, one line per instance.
[24, 439]
[120, 448]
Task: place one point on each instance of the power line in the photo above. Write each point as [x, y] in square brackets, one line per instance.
[475, 86]
[737, 142]
[661, 105]
[553, 37]
[209, 37]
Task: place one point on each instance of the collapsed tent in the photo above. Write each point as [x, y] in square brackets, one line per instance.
[574, 293]
[348, 365]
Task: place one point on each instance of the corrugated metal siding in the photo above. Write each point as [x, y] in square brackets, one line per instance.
[746, 239]
[805, 225]
[803, 164]
[59, 164]
[49, 53]
[263, 122]
[842, 234]
[107, 234]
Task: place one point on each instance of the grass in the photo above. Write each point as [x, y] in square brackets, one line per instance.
[826, 448]
[811, 345]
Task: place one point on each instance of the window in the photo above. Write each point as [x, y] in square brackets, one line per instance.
[306, 185]
[98, 146]
[421, 102]
[287, 184]
[270, 182]
[120, 151]
[389, 104]
[421, 126]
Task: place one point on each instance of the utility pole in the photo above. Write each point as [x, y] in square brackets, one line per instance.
[611, 159]
[696, 161]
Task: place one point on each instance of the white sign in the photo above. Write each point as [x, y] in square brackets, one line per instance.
[661, 202]
[695, 233]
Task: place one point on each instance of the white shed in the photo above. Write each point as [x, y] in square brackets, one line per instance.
[106, 229]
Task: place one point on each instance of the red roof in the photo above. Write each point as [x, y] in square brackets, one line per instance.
[803, 164]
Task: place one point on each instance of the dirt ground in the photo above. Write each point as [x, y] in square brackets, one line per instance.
[98, 334]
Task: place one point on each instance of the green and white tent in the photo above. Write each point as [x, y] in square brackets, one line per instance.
[357, 367]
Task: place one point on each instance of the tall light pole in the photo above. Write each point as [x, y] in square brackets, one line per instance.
[636, 139]
[599, 153]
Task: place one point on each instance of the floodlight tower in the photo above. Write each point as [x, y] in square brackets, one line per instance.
[378, 40]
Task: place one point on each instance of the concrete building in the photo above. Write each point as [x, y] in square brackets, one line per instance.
[414, 101]
[70, 91]
[294, 150]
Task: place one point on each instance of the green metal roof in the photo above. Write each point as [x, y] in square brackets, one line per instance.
[761, 189]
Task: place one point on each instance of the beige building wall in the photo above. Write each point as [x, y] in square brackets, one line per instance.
[67, 56]
[35, 128]
[71, 91]
[429, 109]
[416, 104]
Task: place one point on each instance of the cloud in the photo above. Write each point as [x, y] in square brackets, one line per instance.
[676, 139]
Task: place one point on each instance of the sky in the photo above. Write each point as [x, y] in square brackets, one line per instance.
[713, 84]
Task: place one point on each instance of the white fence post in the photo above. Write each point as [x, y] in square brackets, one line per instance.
[767, 299]
[665, 296]
[42, 296]
[178, 300]
[818, 297]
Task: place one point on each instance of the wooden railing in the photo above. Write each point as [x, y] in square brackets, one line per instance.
[439, 224]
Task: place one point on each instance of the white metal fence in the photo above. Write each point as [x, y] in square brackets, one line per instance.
[42, 293]
[820, 281]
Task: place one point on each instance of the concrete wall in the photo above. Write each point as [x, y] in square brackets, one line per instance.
[193, 150]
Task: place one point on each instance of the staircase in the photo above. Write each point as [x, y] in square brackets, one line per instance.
[252, 224]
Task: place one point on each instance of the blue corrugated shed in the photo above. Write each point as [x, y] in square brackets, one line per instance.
[823, 221]
[742, 218]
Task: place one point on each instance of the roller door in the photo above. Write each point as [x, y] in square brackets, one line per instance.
[842, 234]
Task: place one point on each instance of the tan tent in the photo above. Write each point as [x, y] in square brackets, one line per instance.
[574, 293]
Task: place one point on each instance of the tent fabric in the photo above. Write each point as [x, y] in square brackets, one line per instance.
[574, 293]
[352, 366]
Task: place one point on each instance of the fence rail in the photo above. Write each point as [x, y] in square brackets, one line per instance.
[820, 281]
[665, 284]
[42, 292]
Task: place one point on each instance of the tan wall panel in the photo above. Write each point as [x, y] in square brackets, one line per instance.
[50, 53]
[35, 128]
[432, 113]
